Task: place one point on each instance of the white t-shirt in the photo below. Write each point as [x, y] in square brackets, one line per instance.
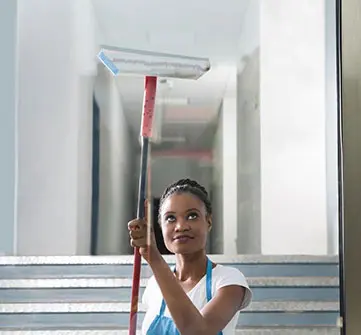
[221, 276]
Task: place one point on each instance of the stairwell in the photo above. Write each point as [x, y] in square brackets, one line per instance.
[293, 295]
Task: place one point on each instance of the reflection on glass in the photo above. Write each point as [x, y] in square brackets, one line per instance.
[258, 131]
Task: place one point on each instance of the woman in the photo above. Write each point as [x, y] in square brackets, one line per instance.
[198, 297]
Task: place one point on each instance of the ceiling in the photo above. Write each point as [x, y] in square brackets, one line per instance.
[200, 28]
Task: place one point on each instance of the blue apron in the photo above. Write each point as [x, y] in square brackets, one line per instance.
[163, 325]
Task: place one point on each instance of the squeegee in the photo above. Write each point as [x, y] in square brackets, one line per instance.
[120, 61]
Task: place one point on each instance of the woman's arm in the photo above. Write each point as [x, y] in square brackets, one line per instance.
[189, 321]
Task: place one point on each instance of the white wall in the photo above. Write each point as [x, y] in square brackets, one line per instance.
[293, 135]
[248, 134]
[249, 156]
[54, 127]
[216, 237]
[230, 174]
[224, 236]
[168, 169]
[249, 40]
[116, 183]
[331, 128]
[8, 98]
[290, 188]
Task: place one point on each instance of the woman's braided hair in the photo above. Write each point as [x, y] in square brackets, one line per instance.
[187, 186]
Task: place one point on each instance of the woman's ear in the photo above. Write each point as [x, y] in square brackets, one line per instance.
[209, 221]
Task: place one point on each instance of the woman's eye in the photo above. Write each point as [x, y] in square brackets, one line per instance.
[192, 216]
[170, 218]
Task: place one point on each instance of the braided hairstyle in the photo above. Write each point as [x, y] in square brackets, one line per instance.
[186, 186]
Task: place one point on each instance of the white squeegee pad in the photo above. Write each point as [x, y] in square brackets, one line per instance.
[127, 61]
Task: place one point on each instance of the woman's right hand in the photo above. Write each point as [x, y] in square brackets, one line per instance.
[142, 237]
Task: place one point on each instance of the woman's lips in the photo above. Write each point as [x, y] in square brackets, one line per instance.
[182, 238]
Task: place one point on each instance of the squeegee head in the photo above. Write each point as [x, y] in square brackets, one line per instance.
[147, 63]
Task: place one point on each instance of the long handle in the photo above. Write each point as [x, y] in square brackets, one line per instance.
[146, 133]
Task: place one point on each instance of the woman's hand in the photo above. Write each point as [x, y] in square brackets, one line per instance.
[142, 236]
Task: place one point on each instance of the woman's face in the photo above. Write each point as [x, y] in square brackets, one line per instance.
[185, 223]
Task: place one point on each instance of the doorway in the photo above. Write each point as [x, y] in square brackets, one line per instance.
[157, 230]
[95, 178]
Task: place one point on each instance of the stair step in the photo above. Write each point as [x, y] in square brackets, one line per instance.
[113, 315]
[121, 320]
[123, 294]
[120, 307]
[122, 266]
[293, 295]
[127, 282]
[119, 289]
[129, 259]
[244, 331]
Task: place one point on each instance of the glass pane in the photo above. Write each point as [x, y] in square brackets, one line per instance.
[258, 130]
[250, 143]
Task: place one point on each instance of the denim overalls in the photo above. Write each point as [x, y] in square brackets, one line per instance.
[163, 325]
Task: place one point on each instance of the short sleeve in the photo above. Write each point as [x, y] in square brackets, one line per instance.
[146, 293]
[231, 276]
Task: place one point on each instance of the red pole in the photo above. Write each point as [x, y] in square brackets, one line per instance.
[146, 132]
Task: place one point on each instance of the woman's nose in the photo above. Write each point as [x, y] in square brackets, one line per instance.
[181, 225]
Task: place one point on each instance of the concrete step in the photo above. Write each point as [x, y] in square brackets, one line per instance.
[127, 282]
[118, 289]
[92, 293]
[116, 315]
[129, 259]
[120, 307]
[244, 331]
[122, 266]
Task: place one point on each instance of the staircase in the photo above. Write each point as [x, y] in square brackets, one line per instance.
[293, 295]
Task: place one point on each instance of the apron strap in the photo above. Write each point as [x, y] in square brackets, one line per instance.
[208, 286]
[209, 280]
[162, 308]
